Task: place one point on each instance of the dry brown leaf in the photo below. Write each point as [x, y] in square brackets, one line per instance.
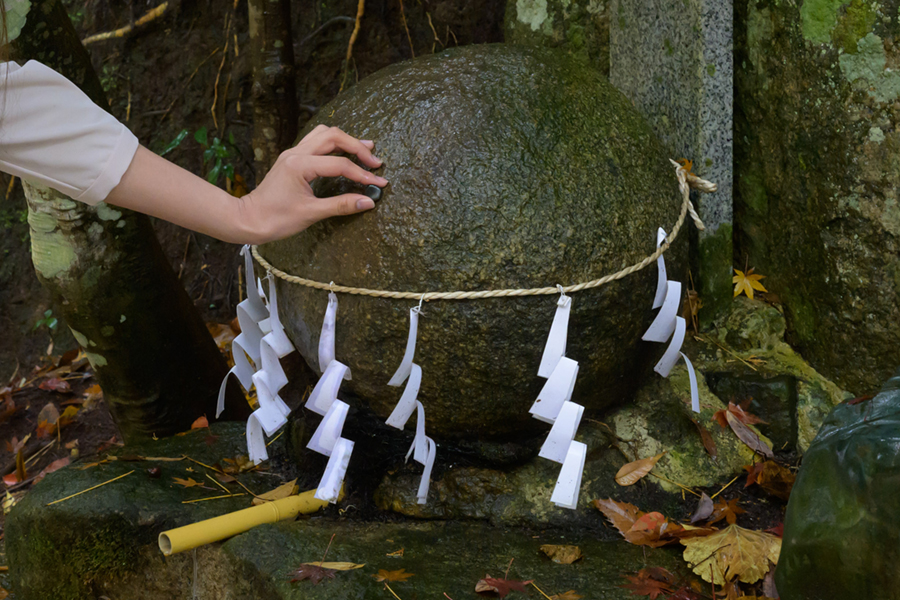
[392, 576]
[282, 491]
[776, 479]
[396, 553]
[726, 509]
[748, 436]
[188, 483]
[621, 514]
[742, 553]
[637, 470]
[570, 595]
[562, 554]
[501, 586]
[704, 508]
[200, 423]
[3, 593]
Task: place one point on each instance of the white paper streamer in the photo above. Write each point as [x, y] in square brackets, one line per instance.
[251, 335]
[556, 391]
[568, 485]
[256, 443]
[425, 482]
[276, 337]
[255, 306]
[555, 348]
[664, 324]
[330, 486]
[272, 372]
[326, 338]
[556, 446]
[661, 268]
[406, 364]
[419, 447]
[407, 403]
[695, 396]
[668, 360]
[325, 392]
[329, 430]
[241, 369]
[271, 412]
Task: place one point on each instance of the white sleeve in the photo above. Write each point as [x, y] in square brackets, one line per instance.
[52, 134]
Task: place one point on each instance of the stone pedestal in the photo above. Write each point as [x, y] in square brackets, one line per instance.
[673, 59]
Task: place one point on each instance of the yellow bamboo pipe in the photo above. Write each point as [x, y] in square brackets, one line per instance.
[225, 526]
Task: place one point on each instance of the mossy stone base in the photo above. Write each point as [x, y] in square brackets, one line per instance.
[104, 543]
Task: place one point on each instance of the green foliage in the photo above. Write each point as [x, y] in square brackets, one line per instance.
[49, 321]
[217, 156]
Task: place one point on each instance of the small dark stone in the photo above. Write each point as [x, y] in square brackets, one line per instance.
[154, 472]
[373, 192]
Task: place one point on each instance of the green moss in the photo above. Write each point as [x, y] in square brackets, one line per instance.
[855, 24]
[107, 213]
[715, 271]
[51, 250]
[818, 18]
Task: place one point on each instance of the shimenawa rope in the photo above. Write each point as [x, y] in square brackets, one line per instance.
[686, 182]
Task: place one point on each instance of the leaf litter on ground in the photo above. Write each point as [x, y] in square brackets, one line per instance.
[502, 587]
[645, 529]
[636, 470]
[726, 509]
[392, 576]
[651, 582]
[772, 477]
[704, 509]
[749, 437]
[562, 554]
[746, 283]
[734, 551]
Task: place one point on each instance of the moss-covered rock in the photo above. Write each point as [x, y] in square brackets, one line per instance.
[817, 103]
[94, 544]
[510, 167]
[580, 27]
[841, 538]
[521, 496]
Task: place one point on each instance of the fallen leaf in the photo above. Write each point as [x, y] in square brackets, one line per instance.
[501, 586]
[223, 334]
[282, 491]
[47, 421]
[396, 553]
[704, 508]
[774, 478]
[392, 576]
[636, 470]
[56, 385]
[15, 444]
[685, 593]
[3, 593]
[645, 529]
[747, 283]
[67, 415]
[768, 586]
[778, 530]
[709, 444]
[650, 582]
[742, 553]
[54, 466]
[11, 479]
[200, 423]
[563, 555]
[313, 573]
[336, 566]
[750, 438]
[742, 415]
[726, 510]
[92, 396]
[238, 464]
[188, 483]
[570, 595]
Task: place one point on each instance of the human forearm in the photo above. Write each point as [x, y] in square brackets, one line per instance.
[282, 204]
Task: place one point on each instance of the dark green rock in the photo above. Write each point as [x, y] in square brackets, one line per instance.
[509, 167]
[841, 538]
[817, 151]
[92, 544]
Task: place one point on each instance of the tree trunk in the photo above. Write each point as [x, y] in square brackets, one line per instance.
[157, 364]
[274, 81]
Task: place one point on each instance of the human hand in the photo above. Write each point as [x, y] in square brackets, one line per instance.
[284, 203]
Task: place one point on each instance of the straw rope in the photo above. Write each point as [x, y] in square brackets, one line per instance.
[686, 182]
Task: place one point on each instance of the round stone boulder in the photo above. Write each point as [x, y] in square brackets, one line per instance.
[509, 167]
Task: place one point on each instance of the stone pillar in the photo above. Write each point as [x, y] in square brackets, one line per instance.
[673, 59]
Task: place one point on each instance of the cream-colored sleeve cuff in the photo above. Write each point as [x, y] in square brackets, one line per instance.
[119, 160]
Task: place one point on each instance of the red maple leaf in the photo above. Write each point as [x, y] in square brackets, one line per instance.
[650, 582]
[312, 572]
[501, 586]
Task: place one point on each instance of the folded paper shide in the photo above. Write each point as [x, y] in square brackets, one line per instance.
[263, 341]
